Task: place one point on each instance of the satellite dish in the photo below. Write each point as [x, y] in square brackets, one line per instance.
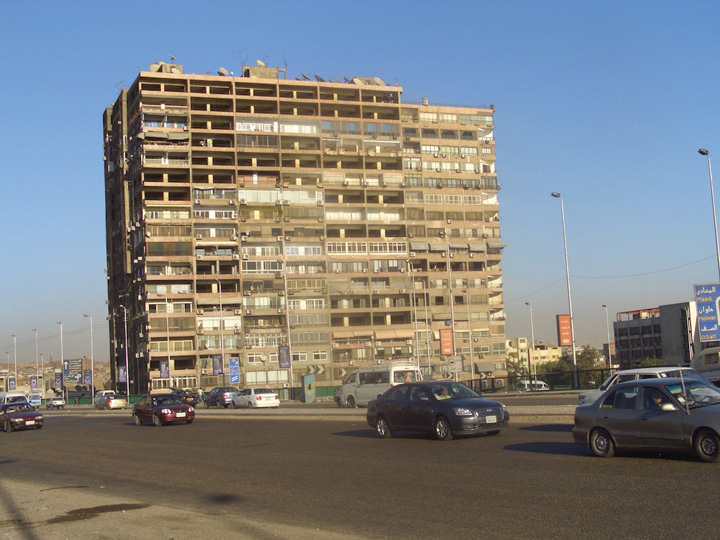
[174, 70]
[222, 71]
[305, 77]
[319, 79]
[260, 63]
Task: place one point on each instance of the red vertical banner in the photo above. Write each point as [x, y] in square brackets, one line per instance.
[564, 330]
[446, 342]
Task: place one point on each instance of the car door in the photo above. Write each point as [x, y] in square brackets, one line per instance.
[143, 408]
[245, 396]
[619, 415]
[395, 407]
[659, 428]
[419, 412]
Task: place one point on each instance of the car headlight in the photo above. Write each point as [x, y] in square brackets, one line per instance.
[463, 411]
[166, 411]
[190, 409]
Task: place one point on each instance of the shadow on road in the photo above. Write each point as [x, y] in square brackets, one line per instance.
[360, 433]
[555, 448]
[559, 428]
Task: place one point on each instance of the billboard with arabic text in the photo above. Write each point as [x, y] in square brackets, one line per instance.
[706, 298]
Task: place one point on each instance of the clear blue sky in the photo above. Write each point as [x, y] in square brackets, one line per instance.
[606, 102]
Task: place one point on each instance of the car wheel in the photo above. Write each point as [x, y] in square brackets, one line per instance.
[383, 428]
[137, 420]
[189, 421]
[351, 402]
[601, 443]
[441, 429]
[707, 446]
[156, 421]
[225, 405]
[207, 405]
[39, 426]
[8, 427]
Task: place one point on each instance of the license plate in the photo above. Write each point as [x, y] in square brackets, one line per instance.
[180, 414]
[491, 419]
[30, 423]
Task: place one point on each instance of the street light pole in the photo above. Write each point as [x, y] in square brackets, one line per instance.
[15, 353]
[37, 373]
[92, 362]
[62, 359]
[567, 276]
[607, 323]
[531, 356]
[222, 335]
[704, 152]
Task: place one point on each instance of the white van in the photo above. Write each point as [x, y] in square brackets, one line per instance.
[524, 385]
[13, 397]
[363, 385]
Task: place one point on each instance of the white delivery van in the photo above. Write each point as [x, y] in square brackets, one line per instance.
[363, 385]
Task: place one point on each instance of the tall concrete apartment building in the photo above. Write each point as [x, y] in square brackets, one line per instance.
[261, 229]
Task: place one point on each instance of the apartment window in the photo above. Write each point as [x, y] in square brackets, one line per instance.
[487, 150]
[320, 356]
[254, 358]
[430, 149]
[446, 117]
[428, 117]
[300, 356]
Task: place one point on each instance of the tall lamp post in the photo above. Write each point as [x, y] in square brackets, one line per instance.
[607, 323]
[567, 276]
[222, 332]
[62, 357]
[704, 152]
[37, 372]
[15, 357]
[92, 362]
[531, 356]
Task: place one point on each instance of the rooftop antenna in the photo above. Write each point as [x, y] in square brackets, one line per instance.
[172, 59]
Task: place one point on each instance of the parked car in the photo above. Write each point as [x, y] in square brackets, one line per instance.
[653, 414]
[635, 374]
[20, 415]
[255, 398]
[221, 396]
[162, 409]
[186, 396]
[56, 402]
[442, 408]
[111, 401]
[525, 385]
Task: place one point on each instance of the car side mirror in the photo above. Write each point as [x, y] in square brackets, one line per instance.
[668, 407]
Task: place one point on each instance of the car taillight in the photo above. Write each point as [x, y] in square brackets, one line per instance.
[258, 398]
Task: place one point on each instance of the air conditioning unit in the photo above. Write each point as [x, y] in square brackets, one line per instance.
[247, 293]
[337, 271]
[322, 238]
[248, 312]
[238, 312]
[402, 270]
[286, 203]
[346, 183]
[238, 330]
[365, 270]
[232, 202]
[243, 238]
[281, 310]
[200, 331]
[443, 254]
[412, 253]
[379, 362]
[368, 343]
[243, 201]
[279, 238]
[245, 257]
[198, 237]
[197, 201]
[319, 203]
[287, 238]
[278, 203]
[351, 362]
[204, 371]
[334, 345]
[449, 221]
[462, 156]
[236, 257]
[281, 293]
[200, 311]
[471, 255]
[476, 339]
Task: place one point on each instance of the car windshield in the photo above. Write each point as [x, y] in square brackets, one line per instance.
[20, 407]
[263, 391]
[694, 393]
[452, 391]
[169, 399]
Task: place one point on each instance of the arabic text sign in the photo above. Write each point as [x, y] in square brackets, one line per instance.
[564, 330]
[707, 298]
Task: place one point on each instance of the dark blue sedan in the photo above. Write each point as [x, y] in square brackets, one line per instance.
[442, 408]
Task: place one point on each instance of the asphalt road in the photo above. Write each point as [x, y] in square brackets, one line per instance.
[227, 475]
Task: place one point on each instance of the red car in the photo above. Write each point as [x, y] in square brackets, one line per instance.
[162, 409]
[20, 416]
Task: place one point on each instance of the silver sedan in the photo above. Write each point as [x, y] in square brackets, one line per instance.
[653, 414]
